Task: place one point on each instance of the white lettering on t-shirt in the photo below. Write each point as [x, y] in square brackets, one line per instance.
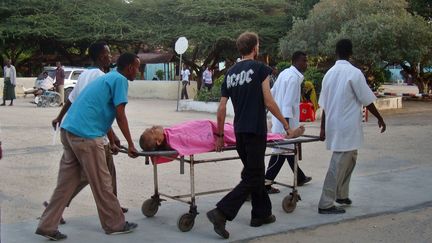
[239, 79]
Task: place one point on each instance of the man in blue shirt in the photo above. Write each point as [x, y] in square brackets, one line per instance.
[88, 120]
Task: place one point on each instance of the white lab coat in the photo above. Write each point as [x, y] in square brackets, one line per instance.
[286, 92]
[344, 92]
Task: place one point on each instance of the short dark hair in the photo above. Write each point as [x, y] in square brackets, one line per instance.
[344, 48]
[296, 56]
[246, 42]
[96, 49]
[125, 60]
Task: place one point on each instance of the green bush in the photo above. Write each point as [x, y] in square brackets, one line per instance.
[214, 94]
[377, 76]
[282, 66]
[160, 74]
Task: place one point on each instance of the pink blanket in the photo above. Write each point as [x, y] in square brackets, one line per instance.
[194, 137]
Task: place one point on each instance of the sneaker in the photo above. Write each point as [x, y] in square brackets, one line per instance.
[331, 210]
[306, 180]
[128, 227]
[257, 222]
[272, 190]
[54, 236]
[218, 220]
[345, 201]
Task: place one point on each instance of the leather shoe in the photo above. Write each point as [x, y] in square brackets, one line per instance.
[257, 222]
[218, 220]
[345, 201]
[306, 180]
[331, 210]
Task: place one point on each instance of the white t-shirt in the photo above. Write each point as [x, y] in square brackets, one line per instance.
[185, 75]
[7, 71]
[344, 92]
[207, 76]
[85, 78]
[47, 83]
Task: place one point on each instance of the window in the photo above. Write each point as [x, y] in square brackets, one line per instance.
[75, 75]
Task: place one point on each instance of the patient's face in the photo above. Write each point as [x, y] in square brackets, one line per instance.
[158, 133]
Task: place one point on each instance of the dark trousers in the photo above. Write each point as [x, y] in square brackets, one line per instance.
[251, 149]
[275, 164]
[184, 94]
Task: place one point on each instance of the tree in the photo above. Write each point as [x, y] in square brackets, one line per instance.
[421, 7]
[380, 31]
[34, 29]
[211, 27]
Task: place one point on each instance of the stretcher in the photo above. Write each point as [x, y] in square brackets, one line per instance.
[186, 221]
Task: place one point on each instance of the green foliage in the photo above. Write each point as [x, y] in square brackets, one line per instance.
[214, 94]
[315, 75]
[160, 74]
[283, 65]
[421, 7]
[380, 31]
[67, 27]
[377, 76]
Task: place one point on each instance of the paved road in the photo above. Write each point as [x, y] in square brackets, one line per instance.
[392, 175]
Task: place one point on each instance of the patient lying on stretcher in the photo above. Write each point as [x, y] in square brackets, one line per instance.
[195, 137]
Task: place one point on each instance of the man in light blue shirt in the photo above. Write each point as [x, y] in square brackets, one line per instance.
[88, 120]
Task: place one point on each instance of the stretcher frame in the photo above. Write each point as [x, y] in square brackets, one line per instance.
[186, 221]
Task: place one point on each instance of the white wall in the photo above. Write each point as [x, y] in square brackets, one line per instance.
[147, 89]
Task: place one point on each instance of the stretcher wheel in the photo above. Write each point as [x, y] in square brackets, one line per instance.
[289, 203]
[150, 207]
[186, 222]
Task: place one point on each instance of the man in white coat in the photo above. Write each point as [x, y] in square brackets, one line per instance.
[344, 92]
[286, 92]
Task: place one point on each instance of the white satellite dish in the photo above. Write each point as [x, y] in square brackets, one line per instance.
[181, 45]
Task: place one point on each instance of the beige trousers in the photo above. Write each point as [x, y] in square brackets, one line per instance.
[86, 156]
[111, 168]
[60, 90]
[336, 183]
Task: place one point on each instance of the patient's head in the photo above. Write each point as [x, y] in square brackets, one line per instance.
[152, 138]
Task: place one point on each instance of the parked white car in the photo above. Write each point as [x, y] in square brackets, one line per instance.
[71, 77]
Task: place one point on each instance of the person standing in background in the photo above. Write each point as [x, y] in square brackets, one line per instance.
[185, 73]
[208, 78]
[9, 74]
[59, 83]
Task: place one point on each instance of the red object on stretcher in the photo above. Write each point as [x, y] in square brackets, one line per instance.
[307, 113]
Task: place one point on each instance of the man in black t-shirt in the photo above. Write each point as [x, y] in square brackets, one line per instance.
[247, 83]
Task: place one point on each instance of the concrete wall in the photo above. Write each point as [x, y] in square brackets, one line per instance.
[388, 103]
[166, 90]
[22, 83]
[399, 89]
[211, 107]
[137, 89]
